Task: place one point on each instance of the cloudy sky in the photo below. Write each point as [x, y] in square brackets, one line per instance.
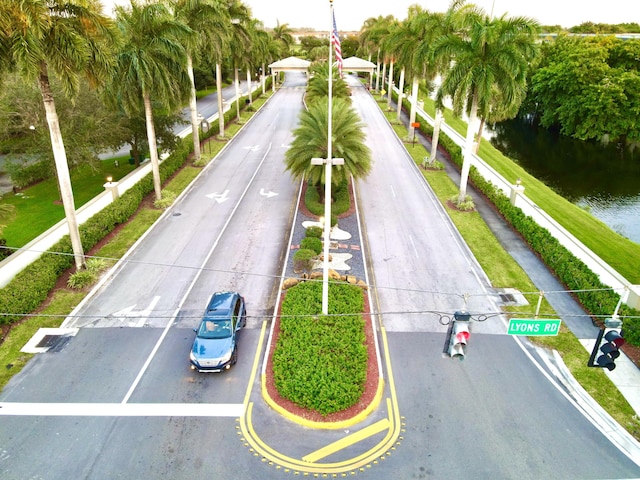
[351, 14]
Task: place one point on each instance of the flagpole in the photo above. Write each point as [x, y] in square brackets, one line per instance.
[327, 177]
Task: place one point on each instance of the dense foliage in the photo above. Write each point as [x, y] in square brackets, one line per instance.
[320, 362]
[588, 88]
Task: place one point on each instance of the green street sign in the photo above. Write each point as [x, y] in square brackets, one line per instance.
[533, 327]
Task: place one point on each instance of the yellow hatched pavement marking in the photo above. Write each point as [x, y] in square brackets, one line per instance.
[347, 441]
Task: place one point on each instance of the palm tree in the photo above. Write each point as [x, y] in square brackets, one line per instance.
[239, 42]
[429, 26]
[151, 66]
[67, 39]
[318, 86]
[210, 20]
[486, 54]
[373, 31]
[310, 141]
[282, 35]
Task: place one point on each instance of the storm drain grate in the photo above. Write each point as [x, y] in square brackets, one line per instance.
[53, 343]
[507, 298]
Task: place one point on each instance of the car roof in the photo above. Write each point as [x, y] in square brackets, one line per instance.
[220, 303]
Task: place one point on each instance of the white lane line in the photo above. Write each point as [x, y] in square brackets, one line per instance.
[122, 409]
[413, 244]
[393, 192]
[193, 282]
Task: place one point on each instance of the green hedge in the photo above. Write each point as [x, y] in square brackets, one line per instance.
[30, 287]
[23, 175]
[320, 362]
[570, 270]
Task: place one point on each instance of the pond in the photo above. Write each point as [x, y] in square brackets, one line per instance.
[602, 179]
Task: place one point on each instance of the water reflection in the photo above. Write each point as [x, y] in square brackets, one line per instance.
[603, 178]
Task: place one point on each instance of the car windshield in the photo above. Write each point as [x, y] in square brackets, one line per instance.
[215, 329]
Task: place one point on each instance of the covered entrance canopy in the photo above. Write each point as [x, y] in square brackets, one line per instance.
[355, 64]
[290, 64]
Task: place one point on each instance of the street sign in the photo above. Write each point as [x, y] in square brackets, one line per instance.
[533, 327]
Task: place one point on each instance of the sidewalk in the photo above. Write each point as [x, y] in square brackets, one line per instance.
[627, 375]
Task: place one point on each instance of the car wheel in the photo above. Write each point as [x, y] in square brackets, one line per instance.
[234, 356]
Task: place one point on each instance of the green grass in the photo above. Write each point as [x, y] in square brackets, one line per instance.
[504, 271]
[12, 360]
[38, 207]
[619, 252]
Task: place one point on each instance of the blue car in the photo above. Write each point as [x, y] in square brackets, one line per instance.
[215, 347]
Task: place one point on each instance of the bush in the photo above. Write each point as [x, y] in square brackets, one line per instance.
[341, 201]
[320, 362]
[303, 260]
[314, 232]
[166, 200]
[24, 174]
[81, 279]
[312, 243]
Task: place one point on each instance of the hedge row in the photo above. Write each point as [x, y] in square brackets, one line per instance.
[569, 269]
[30, 287]
[320, 361]
[23, 175]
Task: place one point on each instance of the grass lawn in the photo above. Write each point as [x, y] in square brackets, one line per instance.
[38, 207]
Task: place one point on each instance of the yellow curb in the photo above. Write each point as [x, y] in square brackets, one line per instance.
[323, 425]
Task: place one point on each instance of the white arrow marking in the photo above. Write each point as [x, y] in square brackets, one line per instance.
[219, 197]
[253, 148]
[268, 194]
[142, 315]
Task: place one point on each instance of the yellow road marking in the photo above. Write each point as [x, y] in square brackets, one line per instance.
[256, 362]
[347, 441]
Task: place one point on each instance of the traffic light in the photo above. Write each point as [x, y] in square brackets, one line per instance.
[459, 335]
[610, 349]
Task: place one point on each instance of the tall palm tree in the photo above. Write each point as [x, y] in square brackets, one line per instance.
[428, 27]
[239, 42]
[282, 35]
[67, 39]
[151, 66]
[209, 19]
[373, 31]
[310, 141]
[486, 54]
[264, 51]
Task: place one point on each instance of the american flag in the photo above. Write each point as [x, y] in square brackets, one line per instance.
[335, 40]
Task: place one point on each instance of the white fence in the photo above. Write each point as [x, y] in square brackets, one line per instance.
[608, 276]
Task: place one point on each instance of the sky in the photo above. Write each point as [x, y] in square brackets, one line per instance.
[351, 14]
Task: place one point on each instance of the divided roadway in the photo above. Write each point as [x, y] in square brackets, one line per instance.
[120, 401]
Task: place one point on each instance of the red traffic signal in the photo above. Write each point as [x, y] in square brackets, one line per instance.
[610, 350]
[459, 338]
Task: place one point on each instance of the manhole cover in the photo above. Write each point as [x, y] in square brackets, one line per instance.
[177, 214]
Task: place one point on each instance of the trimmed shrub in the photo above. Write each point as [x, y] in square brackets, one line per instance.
[312, 243]
[314, 232]
[320, 362]
[24, 174]
[303, 260]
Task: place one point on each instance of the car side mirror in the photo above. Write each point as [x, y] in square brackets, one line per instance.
[195, 330]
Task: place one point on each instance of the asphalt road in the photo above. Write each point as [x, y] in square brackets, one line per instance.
[119, 400]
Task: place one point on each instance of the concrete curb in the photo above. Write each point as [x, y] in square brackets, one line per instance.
[589, 407]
